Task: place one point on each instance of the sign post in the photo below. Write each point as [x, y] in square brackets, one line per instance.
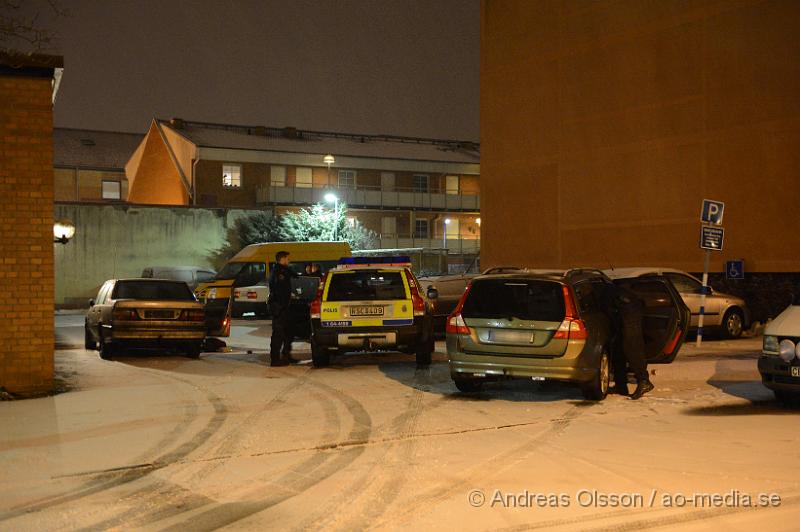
[712, 238]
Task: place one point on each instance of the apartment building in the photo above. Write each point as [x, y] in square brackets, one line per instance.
[413, 192]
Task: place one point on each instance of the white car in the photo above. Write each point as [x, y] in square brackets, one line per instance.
[248, 299]
[779, 363]
[725, 312]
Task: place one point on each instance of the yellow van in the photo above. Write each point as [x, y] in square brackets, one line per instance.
[251, 266]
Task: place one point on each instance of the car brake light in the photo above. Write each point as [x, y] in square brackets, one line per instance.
[125, 314]
[193, 315]
[572, 328]
[456, 325]
[316, 305]
[417, 301]
[252, 295]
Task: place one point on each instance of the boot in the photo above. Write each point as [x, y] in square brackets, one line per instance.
[642, 387]
[276, 362]
[619, 389]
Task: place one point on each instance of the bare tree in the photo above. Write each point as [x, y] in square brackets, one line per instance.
[22, 28]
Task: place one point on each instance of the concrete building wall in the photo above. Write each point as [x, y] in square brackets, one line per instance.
[116, 241]
[26, 233]
[605, 124]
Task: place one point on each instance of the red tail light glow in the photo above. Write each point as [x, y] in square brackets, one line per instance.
[125, 314]
[572, 328]
[417, 301]
[316, 305]
[252, 295]
[455, 321]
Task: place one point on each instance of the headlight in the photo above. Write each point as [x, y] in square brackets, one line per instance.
[771, 345]
[787, 350]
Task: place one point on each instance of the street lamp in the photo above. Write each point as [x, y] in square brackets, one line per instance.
[329, 160]
[444, 236]
[330, 197]
[63, 230]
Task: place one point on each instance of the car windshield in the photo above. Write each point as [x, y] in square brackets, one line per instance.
[524, 299]
[366, 285]
[152, 290]
[231, 270]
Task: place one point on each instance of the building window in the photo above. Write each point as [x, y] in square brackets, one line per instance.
[232, 175]
[421, 229]
[453, 229]
[420, 183]
[277, 176]
[302, 178]
[388, 227]
[351, 221]
[112, 190]
[347, 178]
[451, 184]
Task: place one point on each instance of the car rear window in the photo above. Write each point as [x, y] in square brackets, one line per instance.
[366, 285]
[152, 290]
[523, 299]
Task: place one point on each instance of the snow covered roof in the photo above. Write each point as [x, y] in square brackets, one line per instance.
[87, 148]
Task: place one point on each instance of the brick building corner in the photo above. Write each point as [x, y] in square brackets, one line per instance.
[26, 223]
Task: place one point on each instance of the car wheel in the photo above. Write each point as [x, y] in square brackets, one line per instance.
[733, 324]
[106, 348]
[597, 388]
[88, 341]
[320, 357]
[468, 385]
[194, 350]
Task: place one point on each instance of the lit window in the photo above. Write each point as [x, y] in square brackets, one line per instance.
[277, 176]
[351, 221]
[302, 178]
[421, 229]
[347, 178]
[232, 175]
[112, 190]
[420, 183]
[451, 183]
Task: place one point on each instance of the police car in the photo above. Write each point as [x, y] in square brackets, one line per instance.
[371, 304]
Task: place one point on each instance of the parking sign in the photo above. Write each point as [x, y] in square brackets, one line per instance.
[712, 212]
[712, 238]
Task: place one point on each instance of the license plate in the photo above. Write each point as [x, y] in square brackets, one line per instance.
[366, 311]
[159, 314]
[796, 371]
[511, 337]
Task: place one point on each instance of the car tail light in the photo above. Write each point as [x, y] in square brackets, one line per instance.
[455, 321]
[125, 314]
[237, 294]
[252, 295]
[316, 305]
[193, 315]
[417, 301]
[572, 328]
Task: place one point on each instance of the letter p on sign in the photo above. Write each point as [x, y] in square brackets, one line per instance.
[712, 212]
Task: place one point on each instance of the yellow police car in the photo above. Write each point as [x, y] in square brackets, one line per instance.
[371, 304]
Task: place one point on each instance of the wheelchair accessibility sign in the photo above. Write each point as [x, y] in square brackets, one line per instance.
[734, 269]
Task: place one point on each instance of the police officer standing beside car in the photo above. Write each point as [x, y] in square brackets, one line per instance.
[280, 297]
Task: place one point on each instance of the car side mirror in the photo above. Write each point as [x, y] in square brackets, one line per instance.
[91, 303]
[433, 293]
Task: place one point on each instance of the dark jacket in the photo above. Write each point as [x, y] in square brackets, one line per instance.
[280, 286]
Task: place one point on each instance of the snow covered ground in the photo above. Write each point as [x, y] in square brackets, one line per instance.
[164, 442]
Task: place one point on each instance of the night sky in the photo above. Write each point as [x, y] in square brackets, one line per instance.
[387, 66]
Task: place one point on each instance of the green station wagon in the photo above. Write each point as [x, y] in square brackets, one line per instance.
[555, 325]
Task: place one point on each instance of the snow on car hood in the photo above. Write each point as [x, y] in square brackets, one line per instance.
[786, 324]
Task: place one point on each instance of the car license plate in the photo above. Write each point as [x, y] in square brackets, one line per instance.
[796, 371]
[366, 311]
[511, 337]
[159, 314]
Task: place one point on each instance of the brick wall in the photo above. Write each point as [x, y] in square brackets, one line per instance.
[26, 229]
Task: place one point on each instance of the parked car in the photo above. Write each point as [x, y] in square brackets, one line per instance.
[371, 304]
[724, 312]
[144, 313]
[779, 363]
[191, 275]
[450, 289]
[553, 325]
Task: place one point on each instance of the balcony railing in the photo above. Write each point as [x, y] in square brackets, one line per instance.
[453, 245]
[369, 196]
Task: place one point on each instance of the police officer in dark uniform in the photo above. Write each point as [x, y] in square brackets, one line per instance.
[280, 297]
[627, 311]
